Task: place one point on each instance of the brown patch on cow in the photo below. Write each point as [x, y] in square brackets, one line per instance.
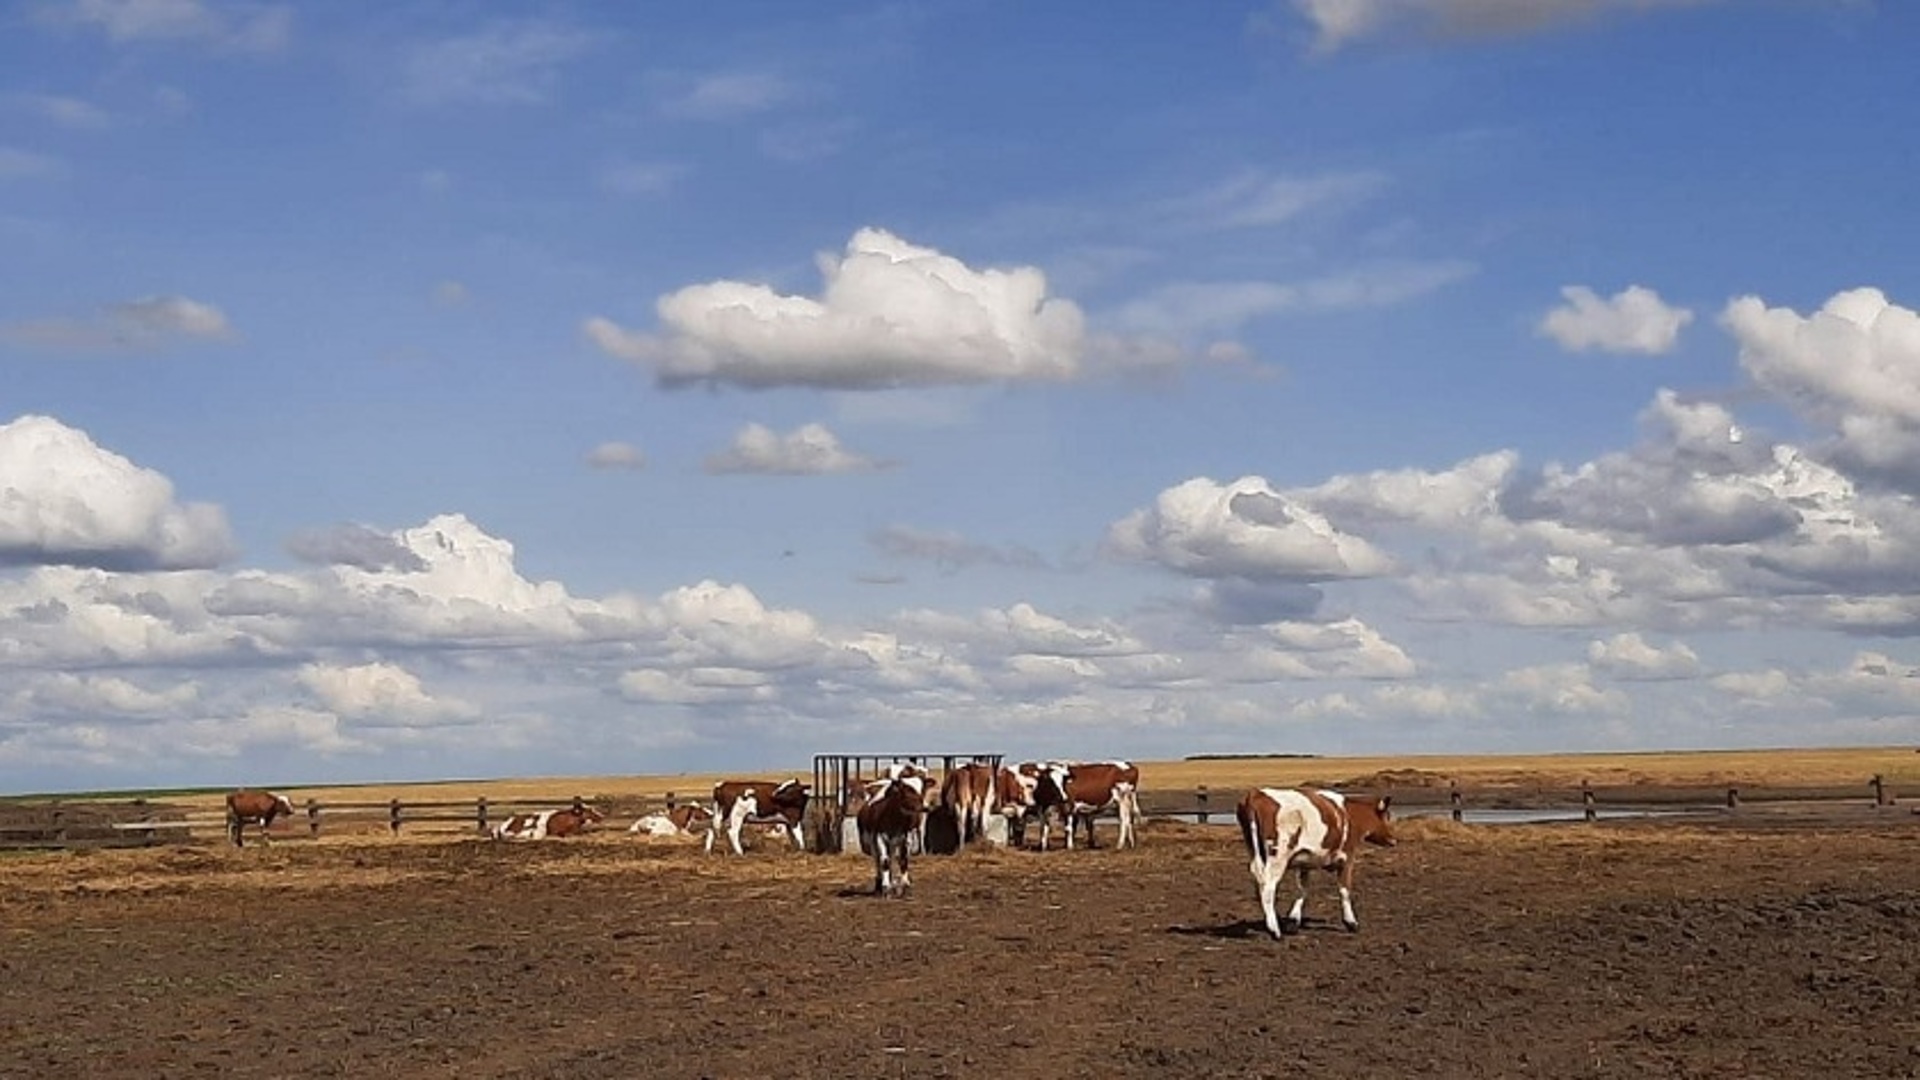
[687, 815]
[1371, 819]
[1259, 817]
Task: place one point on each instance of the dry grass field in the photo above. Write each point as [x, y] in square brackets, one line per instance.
[1837, 768]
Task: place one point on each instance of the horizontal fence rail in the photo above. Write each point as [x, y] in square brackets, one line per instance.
[83, 824]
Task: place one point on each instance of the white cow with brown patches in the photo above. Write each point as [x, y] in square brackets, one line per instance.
[1304, 830]
[683, 820]
[764, 802]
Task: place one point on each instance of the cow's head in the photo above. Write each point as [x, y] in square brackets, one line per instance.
[1373, 819]
[285, 804]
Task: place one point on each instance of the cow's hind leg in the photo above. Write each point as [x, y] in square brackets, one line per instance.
[904, 882]
[1266, 881]
[1347, 918]
[1299, 911]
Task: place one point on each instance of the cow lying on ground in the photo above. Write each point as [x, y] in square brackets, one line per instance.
[894, 812]
[683, 820]
[254, 807]
[1302, 830]
[737, 802]
[547, 823]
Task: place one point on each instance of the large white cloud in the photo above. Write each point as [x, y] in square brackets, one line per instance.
[1633, 320]
[66, 500]
[1243, 529]
[1852, 367]
[890, 314]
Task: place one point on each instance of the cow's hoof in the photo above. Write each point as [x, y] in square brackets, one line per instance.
[1352, 927]
[1290, 926]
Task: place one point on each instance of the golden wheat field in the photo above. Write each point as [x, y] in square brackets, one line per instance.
[1837, 768]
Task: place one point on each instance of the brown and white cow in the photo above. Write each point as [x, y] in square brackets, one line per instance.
[895, 811]
[737, 802]
[543, 824]
[968, 791]
[1020, 792]
[246, 807]
[1089, 789]
[1301, 830]
[682, 820]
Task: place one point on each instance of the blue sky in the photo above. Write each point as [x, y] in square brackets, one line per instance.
[412, 390]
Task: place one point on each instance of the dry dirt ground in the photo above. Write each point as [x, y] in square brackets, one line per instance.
[1756, 946]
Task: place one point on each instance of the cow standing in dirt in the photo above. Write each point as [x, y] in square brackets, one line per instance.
[1303, 830]
[737, 802]
[968, 791]
[894, 812]
[1089, 789]
[246, 807]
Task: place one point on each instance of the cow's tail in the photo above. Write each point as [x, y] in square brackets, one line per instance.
[1250, 832]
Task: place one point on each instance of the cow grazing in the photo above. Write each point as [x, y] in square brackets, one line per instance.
[968, 791]
[1089, 789]
[737, 802]
[246, 807]
[895, 812]
[1306, 829]
[682, 820]
[544, 824]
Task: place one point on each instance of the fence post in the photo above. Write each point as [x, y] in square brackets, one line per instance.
[669, 800]
[1733, 798]
[145, 813]
[1203, 815]
[1879, 792]
[480, 814]
[393, 816]
[1586, 801]
[1453, 799]
[313, 819]
[579, 807]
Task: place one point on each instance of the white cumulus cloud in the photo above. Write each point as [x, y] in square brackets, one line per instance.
[66, 500]
[1633, 320]
[1630, 656]
[809, 450]
[891, 314]
[1243, 529]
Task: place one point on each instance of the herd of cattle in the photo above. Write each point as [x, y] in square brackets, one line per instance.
[1297, 830]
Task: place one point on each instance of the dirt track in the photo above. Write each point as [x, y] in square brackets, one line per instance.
[1770, 949]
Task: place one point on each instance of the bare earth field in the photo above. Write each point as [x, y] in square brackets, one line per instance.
[1741, 946]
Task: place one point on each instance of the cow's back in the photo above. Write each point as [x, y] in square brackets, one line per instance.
[1308, 821]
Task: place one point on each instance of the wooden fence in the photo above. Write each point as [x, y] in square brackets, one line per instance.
[135, 823]
[1203, 806]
